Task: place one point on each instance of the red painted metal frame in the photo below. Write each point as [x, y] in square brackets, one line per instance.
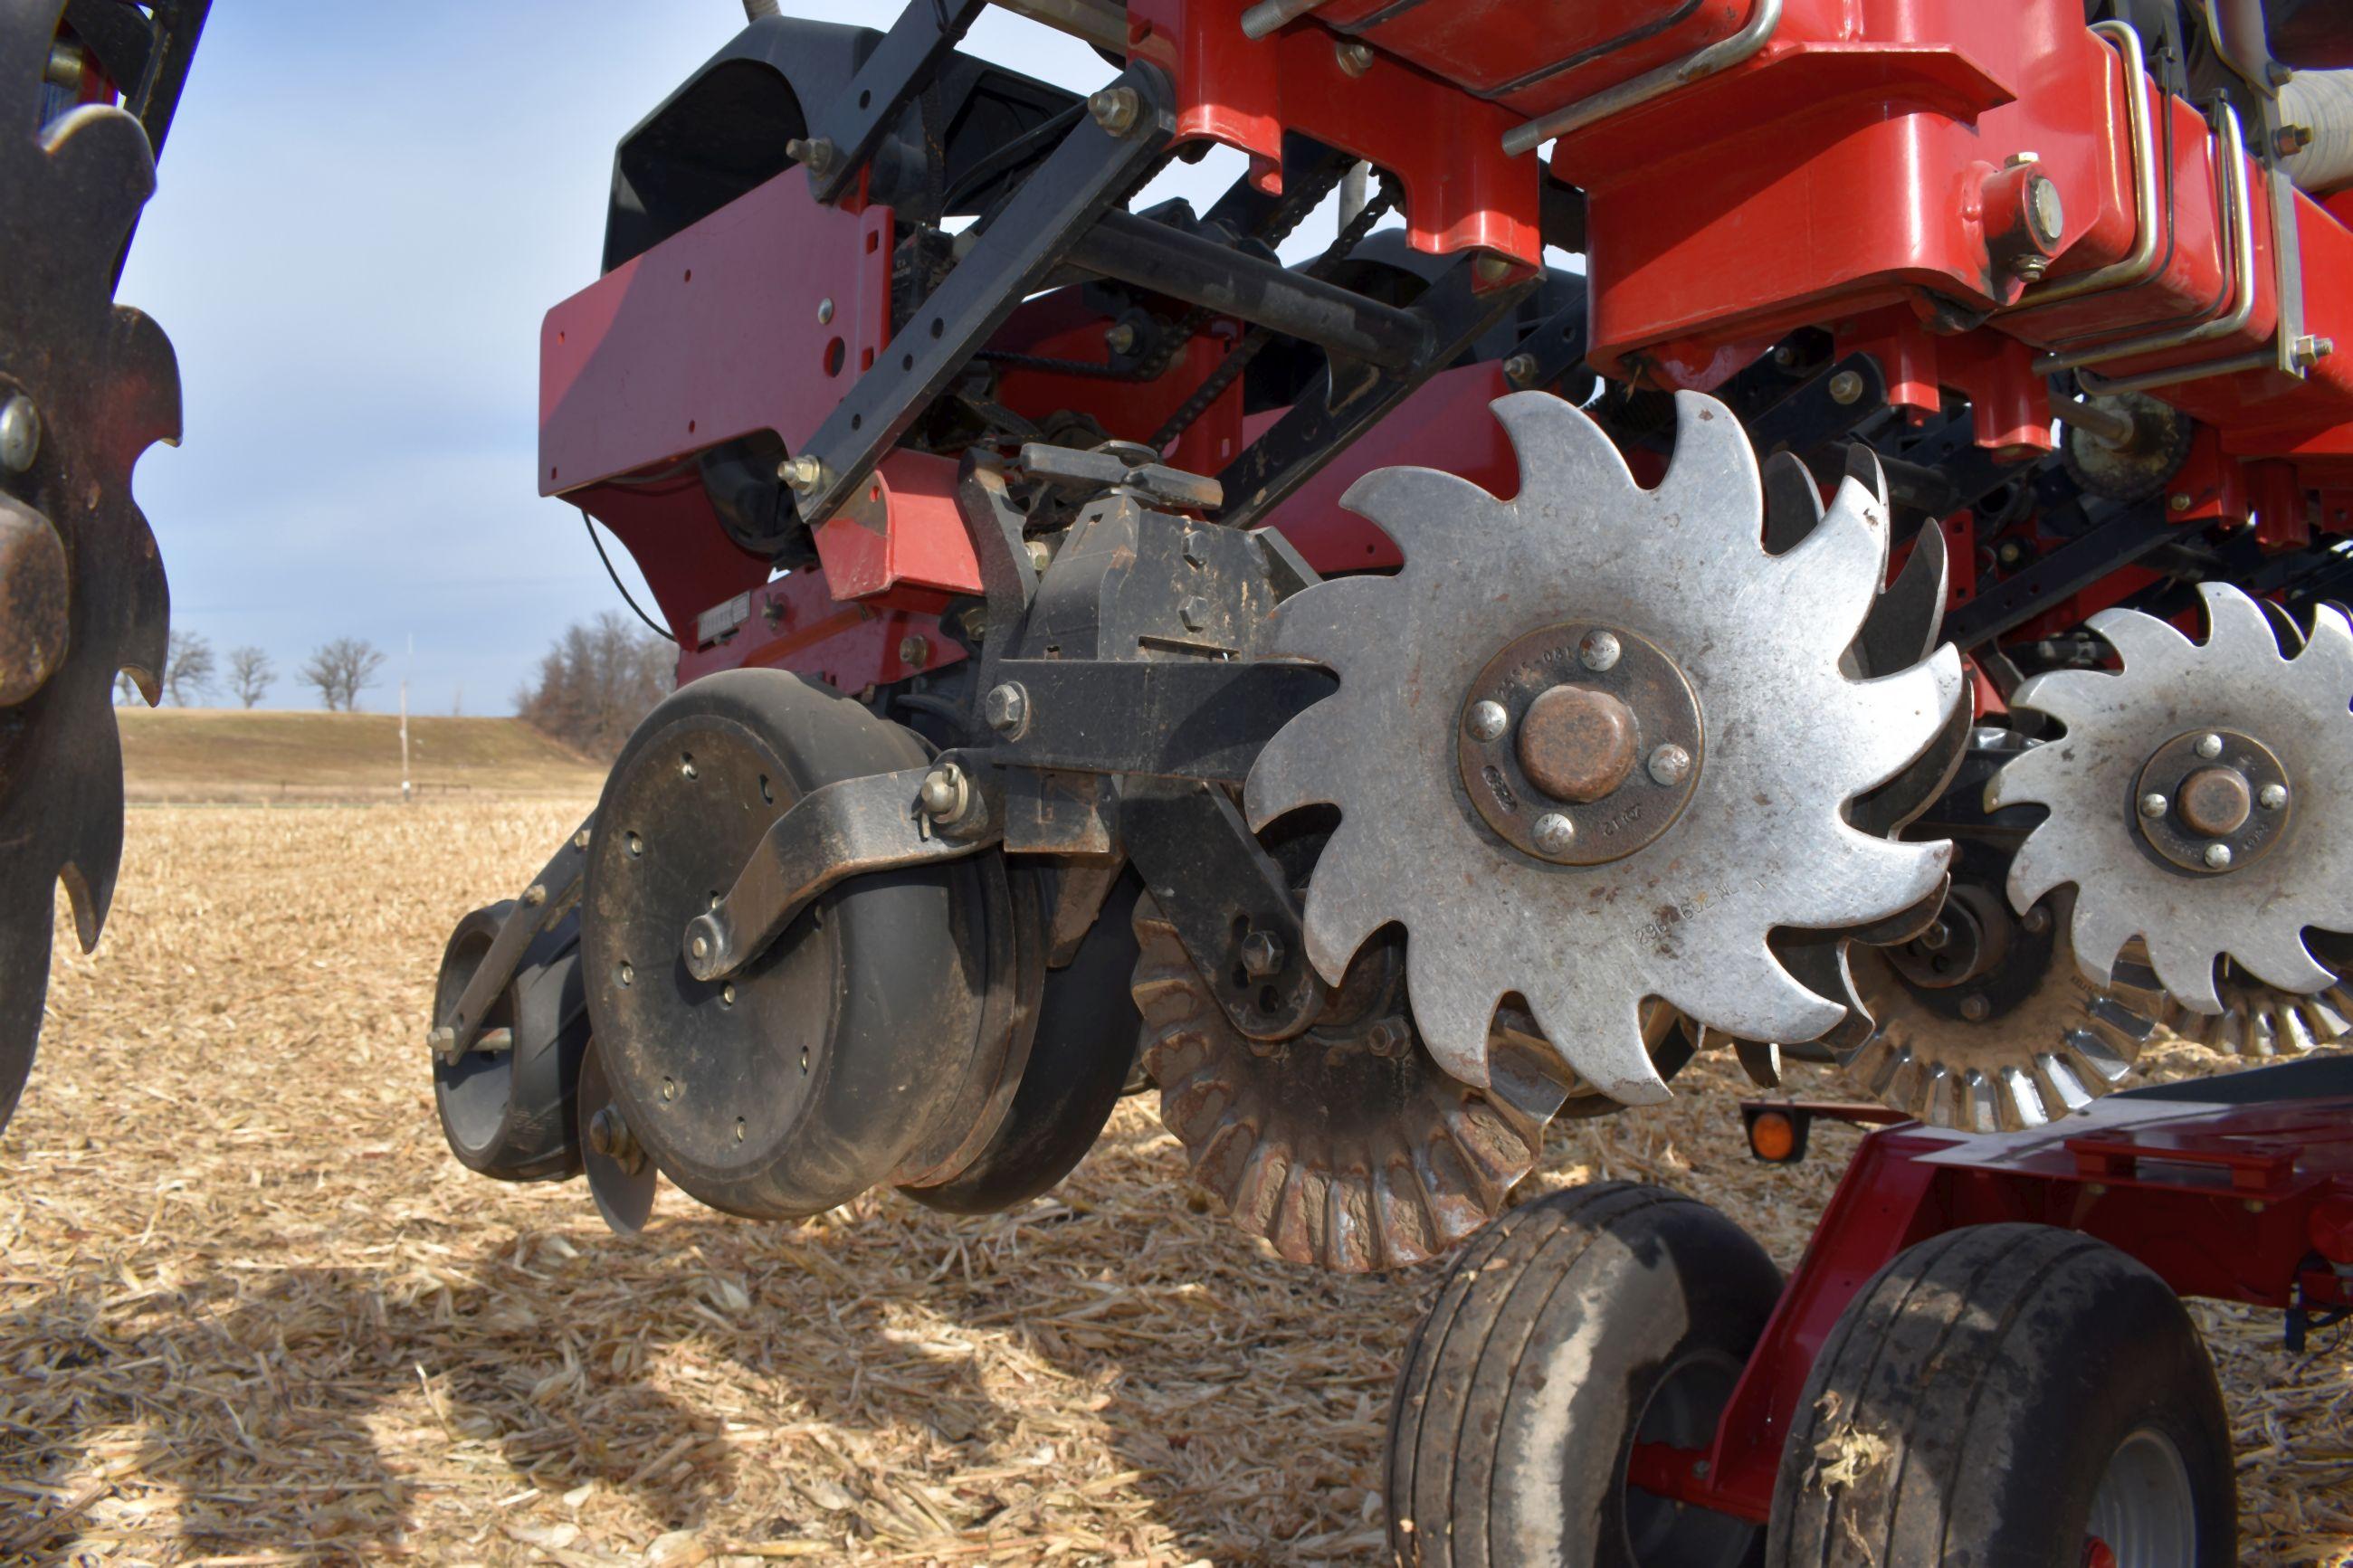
[2230, 1202]
[1462, 191]
[753, 318]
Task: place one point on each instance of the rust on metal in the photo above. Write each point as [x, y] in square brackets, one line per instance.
[33, 598]
[2215, 801]
[1578, 744]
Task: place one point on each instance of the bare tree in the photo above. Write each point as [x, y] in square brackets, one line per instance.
[126, 690]
[596, 682]
[187, 667]
[342, 669]
[250, 675]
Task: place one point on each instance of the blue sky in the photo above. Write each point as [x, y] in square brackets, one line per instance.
[365, 211]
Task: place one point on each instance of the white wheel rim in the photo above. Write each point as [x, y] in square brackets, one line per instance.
[2144, 1512]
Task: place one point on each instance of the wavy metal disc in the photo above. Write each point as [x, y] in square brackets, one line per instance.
[104, 386]
[1347, 1147]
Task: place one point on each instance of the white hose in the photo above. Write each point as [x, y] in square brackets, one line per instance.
[2322, 102]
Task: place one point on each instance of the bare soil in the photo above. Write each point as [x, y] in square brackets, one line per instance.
[252, 1313]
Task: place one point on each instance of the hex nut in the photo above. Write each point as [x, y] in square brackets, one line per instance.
[1845, 388]
[1261, 954]
[1007, 708]
[1117, 110]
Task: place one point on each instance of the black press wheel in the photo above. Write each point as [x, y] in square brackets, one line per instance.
[1568, 1330]
[2009, 1394]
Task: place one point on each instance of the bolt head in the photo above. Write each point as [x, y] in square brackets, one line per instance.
[2036, 920]
[1194, 612]
[1553, 834]
[2178, 502]
[727, 994]
[20, 434]
[943, 792]
[802, 474]
[1598, 651]
[2218, 856]
[1117, 110]
[1120, 338]
[701, 947]
[1355, 57]
[2153, 804]
[824, 312]
[1520, 369]
[1261, 954]
[1006, 708]
[1670, 764]
[535, 895]
[2044, 210]
[2209, 746]
[1845, 387]
[2273, 796]
[1388, 1037]
[442, 1040]
[914, 652]
[1975, 1008]
[607, 1132]
[1039, 556]
[580, 839]
[1486, 720]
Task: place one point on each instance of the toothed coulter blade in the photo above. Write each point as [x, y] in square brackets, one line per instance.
[1593, 742]
[2201, 800]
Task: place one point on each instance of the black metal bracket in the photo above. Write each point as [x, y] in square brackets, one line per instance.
[1087, 175]
[1229, 901]
[546, 900]
[942, 811]
[846, 131]
[1178, 718]
[2118, 542]
[1456, 312]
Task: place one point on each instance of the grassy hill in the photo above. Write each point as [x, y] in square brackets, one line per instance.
[229, 754]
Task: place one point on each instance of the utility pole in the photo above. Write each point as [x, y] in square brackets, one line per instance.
[404, 793]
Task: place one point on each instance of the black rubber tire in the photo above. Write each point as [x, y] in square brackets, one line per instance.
[855, 1029]
[1564, 1328]
[510, 1116]
[1978, 1386]
[1088, 1027]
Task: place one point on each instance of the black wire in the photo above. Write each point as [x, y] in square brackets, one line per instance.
[658, 630]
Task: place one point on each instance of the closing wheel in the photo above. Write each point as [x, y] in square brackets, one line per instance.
[1569, 1330]
[2009, 1393]
[833, 1061]
[506, 1106]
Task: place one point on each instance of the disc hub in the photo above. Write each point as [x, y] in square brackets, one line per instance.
[1554, 733]
[2212, 801]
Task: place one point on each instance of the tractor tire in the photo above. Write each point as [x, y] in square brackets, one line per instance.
[1570, 1328]
[2009, 1394]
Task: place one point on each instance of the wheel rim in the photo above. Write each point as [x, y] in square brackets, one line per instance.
[2143, 1515]
[1682, 1413]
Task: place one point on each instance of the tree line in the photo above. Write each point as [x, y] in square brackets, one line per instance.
[594, 684]
[193, 672]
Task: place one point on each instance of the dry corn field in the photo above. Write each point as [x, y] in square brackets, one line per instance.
[251, 1313]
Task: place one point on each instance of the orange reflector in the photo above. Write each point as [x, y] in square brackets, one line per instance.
[1772, 1136]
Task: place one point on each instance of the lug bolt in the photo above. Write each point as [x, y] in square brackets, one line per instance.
[2218, 856]
[2209, 746]
[1007, 708]
[802, 474]
[1845, 387]
[1355, 57]
[2273, 796]
[1670, 765]
[1975, 1008]
[1598, 651]
[1261, 954]
[1553, 834]
[1117, 110]
[1486, 720]
[824, 312]
[2153, 804]
[20, 434]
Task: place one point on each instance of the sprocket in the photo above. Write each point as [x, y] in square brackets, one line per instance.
[2201, 798]
[88, 386]
[1592, 744]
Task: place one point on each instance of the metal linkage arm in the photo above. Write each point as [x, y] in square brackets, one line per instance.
[551, 893]
[852, 124]
[1097, 163]
[879, 823]
[1163, 718]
